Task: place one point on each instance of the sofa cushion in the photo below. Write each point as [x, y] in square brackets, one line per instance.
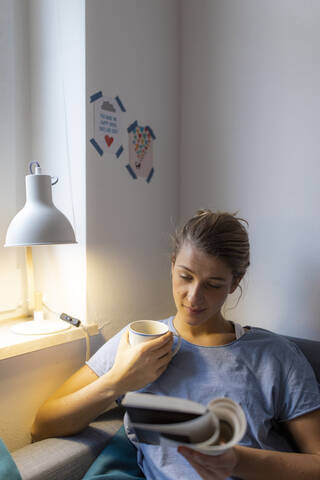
[311, 350]
[68, 458]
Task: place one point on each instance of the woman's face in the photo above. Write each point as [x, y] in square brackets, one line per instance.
[200, 284]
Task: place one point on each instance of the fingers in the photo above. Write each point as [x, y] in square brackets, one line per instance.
[125, 336]
[163, 362]
[159, 342]
[157, 352]
[196, 456]
[163, 353]
[153, 344]
[192, 457]
[209, 467]
[163, 358]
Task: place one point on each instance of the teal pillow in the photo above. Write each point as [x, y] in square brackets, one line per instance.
[118, 461]
[8, 469]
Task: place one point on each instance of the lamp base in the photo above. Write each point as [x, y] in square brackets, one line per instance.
[39, 327]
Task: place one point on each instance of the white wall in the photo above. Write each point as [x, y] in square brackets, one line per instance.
[250, 142]
[132, 51]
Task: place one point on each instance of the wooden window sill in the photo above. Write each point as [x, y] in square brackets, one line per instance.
[13, 344]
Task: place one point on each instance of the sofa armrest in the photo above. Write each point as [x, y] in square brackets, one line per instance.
[68, 458]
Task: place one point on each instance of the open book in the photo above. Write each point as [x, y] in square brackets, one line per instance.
[173, 421]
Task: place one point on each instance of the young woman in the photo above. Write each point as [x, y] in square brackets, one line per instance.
[265, 373]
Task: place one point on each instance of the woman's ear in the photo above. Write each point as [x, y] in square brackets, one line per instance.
[235, 283]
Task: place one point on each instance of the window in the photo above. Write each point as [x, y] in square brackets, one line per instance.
[14, 147]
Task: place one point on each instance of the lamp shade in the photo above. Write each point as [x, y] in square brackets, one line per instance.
[39, 222]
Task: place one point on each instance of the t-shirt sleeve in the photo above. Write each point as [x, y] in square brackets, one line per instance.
[300, 392]
[102, 361]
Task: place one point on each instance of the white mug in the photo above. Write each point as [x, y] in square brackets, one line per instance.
[142, 331]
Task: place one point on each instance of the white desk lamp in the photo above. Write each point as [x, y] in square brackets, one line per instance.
[38, 223]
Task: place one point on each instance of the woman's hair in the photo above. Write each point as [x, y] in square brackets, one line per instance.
[219, 234]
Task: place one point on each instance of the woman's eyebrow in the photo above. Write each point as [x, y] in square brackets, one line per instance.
[210, 278]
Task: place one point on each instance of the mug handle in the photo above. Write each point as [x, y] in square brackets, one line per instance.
[176, 350]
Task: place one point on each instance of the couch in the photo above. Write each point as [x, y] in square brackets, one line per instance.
[69, 458]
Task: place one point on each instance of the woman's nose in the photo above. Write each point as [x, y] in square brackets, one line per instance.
[195, 295]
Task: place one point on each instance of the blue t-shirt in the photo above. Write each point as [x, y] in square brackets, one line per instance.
[264, 372]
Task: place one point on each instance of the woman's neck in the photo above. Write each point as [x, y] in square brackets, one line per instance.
[211, 333]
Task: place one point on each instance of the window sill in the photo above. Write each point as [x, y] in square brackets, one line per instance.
[13, 344]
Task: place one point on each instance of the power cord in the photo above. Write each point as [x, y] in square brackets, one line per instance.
[77, 323]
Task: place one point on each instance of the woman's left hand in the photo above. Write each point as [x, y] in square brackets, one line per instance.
[209, 467]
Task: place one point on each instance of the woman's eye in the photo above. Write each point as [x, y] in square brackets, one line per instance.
[185, 277]
[213, 286]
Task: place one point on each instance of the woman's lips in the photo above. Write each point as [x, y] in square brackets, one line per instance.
[194, 310]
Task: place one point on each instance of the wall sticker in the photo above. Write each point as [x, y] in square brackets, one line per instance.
[107, 124]
[140, 140]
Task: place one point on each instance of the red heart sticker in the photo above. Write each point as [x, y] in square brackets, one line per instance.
[108, 140]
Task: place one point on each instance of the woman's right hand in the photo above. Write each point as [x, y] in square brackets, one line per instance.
[138, 365]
